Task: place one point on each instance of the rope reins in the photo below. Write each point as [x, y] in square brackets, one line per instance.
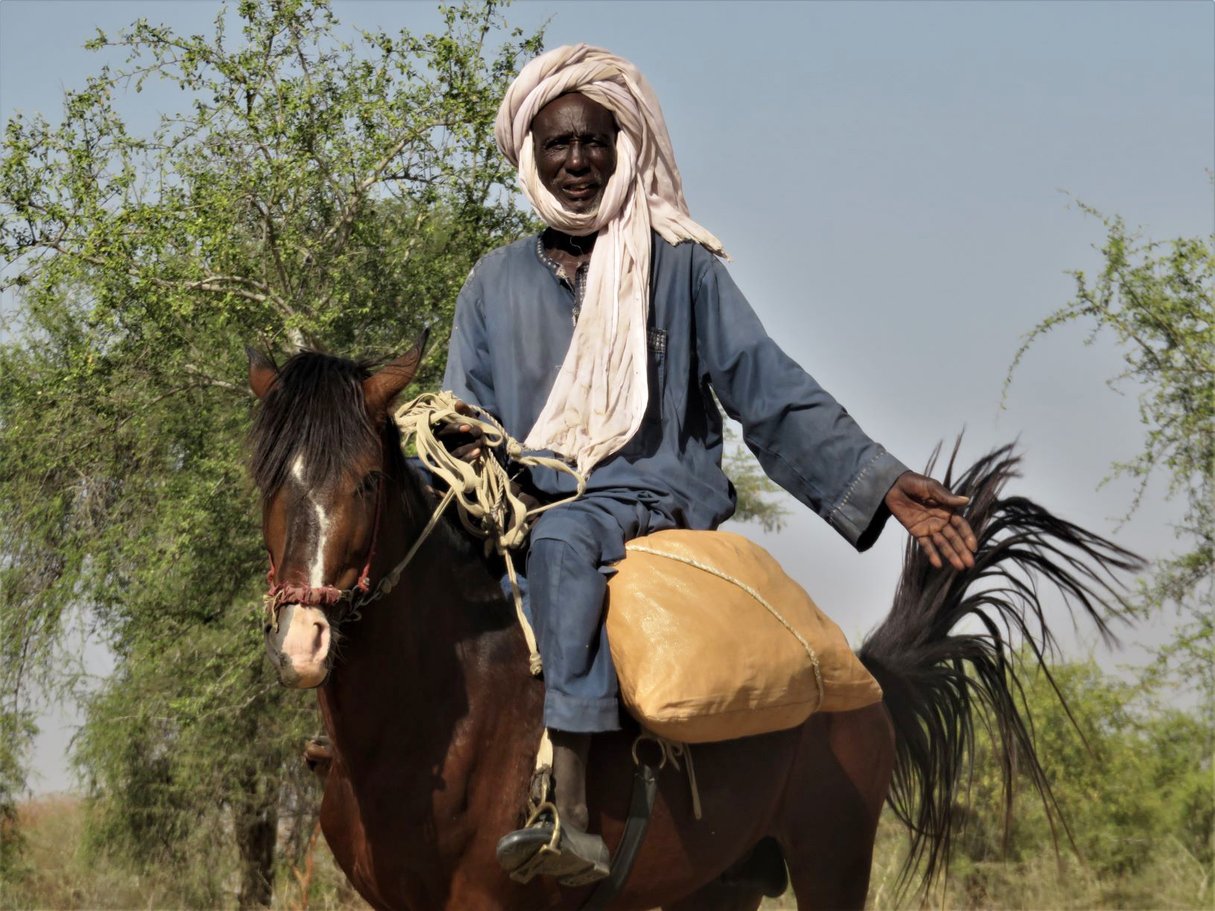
[481, 489]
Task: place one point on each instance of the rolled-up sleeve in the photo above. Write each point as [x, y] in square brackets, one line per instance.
[469, 371]
[804, 439]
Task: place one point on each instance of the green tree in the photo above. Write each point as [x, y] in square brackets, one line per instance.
[1132, 781]
[759, 499]
[313, 191]
[1157, 299]
[16, 731]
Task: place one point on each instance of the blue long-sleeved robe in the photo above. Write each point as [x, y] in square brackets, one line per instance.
[513, 325]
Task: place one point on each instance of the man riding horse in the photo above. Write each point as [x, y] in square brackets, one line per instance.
[604, 340]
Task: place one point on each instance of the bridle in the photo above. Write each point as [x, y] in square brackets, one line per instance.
[354, 598]
[361, 594]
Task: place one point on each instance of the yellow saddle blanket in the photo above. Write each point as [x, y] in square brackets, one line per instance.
[712, 641]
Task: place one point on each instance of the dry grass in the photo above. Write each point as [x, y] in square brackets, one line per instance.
[57, 874]
[1170, 879]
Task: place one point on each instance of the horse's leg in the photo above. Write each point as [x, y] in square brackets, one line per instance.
[719, 896]
[343, 831]
[835, 796]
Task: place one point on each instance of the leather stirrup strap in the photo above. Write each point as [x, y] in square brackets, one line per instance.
[645, 788]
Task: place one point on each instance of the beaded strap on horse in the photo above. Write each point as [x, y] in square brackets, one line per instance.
[481, 488]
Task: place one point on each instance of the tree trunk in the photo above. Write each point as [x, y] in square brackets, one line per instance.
[256, 823]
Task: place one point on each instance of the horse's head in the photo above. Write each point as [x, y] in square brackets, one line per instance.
[322, 452]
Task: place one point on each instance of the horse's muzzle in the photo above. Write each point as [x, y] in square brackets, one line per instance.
[299, 647]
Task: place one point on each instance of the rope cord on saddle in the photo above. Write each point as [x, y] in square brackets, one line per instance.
[481, 488]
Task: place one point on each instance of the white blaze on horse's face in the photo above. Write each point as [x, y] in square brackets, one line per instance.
[316, 575]
[321, 538]
[299, 647]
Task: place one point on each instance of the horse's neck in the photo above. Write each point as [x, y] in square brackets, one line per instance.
[412, 672]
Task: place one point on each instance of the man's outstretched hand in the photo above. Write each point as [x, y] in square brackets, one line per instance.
[930, 514]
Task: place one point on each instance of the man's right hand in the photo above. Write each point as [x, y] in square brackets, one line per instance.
[933, 516]
[464, 441]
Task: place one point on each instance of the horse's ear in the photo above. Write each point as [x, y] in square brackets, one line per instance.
[262, 372]
[386, 384]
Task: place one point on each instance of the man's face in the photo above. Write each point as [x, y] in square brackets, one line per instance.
[575, 143]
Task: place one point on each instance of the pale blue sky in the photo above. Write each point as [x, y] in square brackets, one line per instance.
[892, 181]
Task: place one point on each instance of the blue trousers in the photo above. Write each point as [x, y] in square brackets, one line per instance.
[570, 559]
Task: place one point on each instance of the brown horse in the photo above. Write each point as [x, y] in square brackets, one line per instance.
[434, 718]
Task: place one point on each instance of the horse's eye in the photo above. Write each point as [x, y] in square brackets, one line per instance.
[367, 485]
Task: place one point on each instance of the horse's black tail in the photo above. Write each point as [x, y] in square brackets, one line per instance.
[941, 683]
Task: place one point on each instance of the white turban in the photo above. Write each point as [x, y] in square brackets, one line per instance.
[601, 391]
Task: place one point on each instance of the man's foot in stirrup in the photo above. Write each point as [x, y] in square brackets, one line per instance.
[573, 857]
[560, 847]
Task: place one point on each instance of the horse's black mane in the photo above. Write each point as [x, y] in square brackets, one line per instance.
[315, 410]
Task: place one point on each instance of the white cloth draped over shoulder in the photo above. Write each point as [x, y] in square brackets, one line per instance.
[600, 394]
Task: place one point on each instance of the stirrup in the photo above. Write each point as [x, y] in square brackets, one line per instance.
[543, 847]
